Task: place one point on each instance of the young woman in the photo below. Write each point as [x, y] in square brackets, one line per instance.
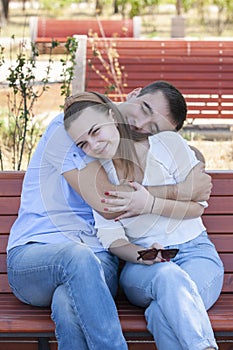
[175, 294]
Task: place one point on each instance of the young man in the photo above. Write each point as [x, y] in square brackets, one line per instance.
[54, 257]
[154, 108]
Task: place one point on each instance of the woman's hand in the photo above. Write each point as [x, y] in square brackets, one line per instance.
[158, 258]
[134, 203]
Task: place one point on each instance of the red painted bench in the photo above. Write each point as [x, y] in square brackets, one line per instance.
[201, 70]
[44, 30]
[25, 324]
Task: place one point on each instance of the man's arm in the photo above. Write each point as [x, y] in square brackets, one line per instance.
[92, 184]
[128, 204]
[196, 187]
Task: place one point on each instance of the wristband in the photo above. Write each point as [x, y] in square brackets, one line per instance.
[152, 206]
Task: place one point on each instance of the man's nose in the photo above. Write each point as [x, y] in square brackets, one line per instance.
[142, 123]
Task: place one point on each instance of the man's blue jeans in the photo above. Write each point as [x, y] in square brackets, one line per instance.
[177, 294]
[77, 284]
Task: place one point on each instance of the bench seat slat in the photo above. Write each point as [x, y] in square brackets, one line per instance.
[15, 321]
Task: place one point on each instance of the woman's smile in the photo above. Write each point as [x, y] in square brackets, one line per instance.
[96, 134]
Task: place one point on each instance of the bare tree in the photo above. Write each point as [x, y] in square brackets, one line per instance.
[178, 7]
[5, 9]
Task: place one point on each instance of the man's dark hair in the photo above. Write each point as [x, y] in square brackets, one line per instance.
[176, 101]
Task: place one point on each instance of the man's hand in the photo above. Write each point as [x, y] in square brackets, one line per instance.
[197, 186]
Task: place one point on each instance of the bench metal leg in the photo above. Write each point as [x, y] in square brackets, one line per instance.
[43, 344]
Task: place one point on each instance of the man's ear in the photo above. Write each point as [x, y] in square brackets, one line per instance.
[133, 93]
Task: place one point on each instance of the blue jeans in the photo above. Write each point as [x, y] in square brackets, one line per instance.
[177, 294]
[76, 283]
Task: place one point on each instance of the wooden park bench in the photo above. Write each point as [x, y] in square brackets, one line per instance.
[24, 327]
[44, 30]
[201, 69]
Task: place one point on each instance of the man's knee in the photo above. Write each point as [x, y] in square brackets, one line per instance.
[79, 254]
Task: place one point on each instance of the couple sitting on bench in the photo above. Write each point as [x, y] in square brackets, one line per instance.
[54, 255]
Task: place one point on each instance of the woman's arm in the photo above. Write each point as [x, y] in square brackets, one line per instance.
[125, 250]
[129, 252]
[92, 183]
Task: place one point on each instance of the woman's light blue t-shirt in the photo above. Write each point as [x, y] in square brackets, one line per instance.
[51, 211]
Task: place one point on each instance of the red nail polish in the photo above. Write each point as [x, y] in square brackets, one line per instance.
[106, 193]
[105, 209]
[116, 219]
[102, 200]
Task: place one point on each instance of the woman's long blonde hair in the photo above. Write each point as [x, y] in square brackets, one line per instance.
[79, 102]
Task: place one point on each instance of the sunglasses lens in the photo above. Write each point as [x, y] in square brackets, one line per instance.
[169, 253]
[149, 254]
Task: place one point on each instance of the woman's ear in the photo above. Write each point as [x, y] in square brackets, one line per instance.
[111, 115]
[133, 93]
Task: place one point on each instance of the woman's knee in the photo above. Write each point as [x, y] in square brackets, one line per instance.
[170, 276]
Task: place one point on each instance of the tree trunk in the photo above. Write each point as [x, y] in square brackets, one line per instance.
[115, 5]
[178, 7]
[5, 8]
[99, 7]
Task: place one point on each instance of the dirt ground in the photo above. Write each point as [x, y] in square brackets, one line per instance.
[218, 154]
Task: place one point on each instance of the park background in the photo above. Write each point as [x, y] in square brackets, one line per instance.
[203, 19]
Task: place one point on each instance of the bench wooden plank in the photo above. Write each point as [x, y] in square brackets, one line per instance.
[45, 30]
[220, 205]
[9, 205]
[11, 183]
[48, 28]
[18, 319]
[223, 243]
[181, 62]
[6, 223]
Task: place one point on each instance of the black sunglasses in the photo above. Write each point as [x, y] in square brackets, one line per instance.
[151, 254]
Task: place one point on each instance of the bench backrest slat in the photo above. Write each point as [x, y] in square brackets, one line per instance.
[201, 70]
[43, 30]
[50, 28]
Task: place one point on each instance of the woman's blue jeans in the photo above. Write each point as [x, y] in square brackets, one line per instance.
[177, 294]
[77, 284]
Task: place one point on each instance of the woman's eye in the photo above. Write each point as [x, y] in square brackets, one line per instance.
[81, 144]
[95, 131]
